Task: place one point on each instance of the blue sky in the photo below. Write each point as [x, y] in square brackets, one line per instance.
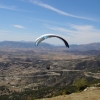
[78, 21]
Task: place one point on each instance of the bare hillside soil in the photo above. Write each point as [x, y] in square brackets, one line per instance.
[91, 94]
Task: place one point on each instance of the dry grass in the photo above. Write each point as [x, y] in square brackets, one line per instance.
[85, 95]
[61, 56]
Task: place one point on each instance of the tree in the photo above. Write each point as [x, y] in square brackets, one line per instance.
[81, 84]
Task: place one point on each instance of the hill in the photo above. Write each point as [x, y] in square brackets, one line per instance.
[20, 44]
[86, 47]
[91, 94]
[23, 71]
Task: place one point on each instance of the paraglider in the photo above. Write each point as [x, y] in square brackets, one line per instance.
[48, 67]
[45, 36]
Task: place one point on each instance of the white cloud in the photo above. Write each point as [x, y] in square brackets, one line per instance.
[4, 31]
[60, 29]
[57, 10]
[7, 7]
[81, 27]
[12, 8]
[78, 34]
[18, 26]
[47, 21]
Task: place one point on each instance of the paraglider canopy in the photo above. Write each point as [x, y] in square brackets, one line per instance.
[45, 36]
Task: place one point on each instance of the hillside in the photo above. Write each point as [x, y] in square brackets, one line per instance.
[91, 94]
[23, 70]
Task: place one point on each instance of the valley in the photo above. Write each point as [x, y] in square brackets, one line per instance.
[24, 71]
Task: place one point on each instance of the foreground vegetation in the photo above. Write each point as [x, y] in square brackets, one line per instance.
[47, 92]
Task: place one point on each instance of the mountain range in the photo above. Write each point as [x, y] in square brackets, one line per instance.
[23, 44]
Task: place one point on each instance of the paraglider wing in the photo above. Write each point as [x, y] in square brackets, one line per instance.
[43, 37]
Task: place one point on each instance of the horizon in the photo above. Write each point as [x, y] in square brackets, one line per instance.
[48, 43]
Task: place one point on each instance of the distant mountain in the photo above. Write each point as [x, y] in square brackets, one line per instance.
[88, 52]
[85, 47]
[93, 47]
[21, 44]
